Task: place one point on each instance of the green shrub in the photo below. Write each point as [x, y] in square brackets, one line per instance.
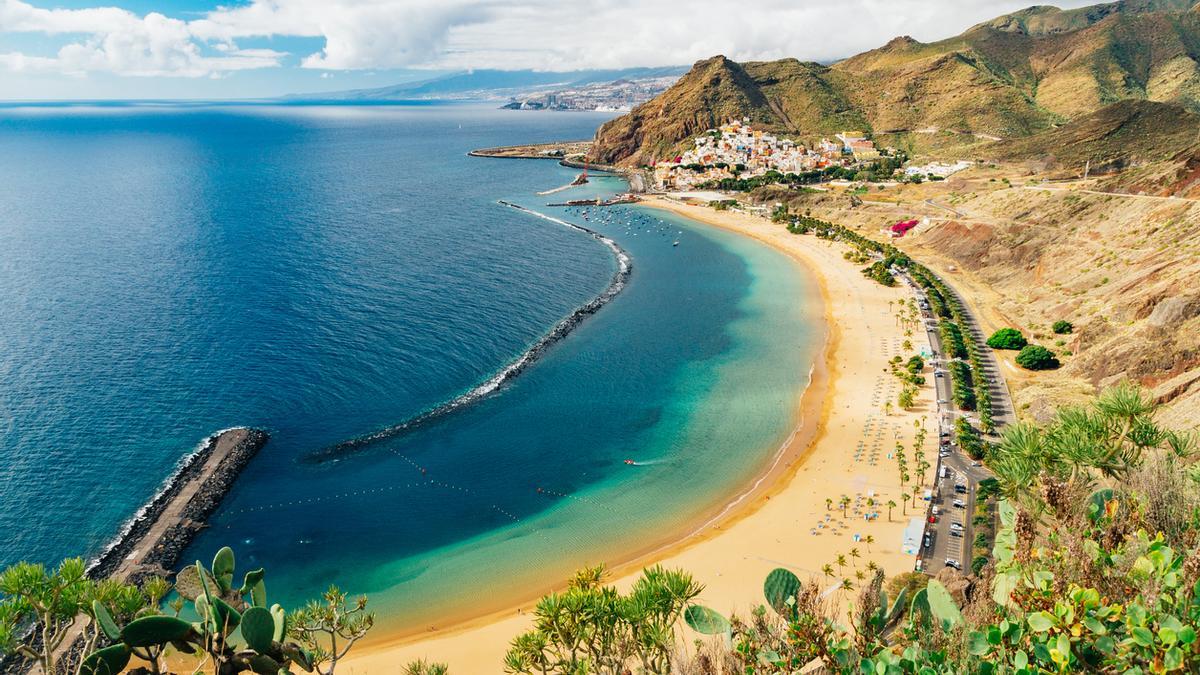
[1007, 338]
[1063, 327]
[1037, 357]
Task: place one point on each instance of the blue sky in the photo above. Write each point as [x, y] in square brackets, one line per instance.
[98, 49]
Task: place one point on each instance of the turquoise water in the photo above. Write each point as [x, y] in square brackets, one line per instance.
[326, 272]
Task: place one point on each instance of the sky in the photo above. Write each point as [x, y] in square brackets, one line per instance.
[163, 49]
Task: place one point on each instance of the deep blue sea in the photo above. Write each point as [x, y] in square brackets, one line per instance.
[324, 272]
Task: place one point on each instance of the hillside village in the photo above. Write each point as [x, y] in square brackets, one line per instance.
[738, 150]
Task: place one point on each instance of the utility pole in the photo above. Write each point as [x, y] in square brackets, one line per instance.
[1087, 168]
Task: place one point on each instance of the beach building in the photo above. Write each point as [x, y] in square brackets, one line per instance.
[913, 533]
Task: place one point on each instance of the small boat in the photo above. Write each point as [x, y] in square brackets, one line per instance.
[676, 243]
[630, 462]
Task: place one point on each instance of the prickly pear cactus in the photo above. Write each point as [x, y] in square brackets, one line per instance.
[779, 586]
[706, 621]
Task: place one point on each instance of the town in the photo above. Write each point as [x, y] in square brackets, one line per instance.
[737, 152]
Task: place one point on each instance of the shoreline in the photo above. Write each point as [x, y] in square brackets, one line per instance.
[811, 404]
[816, 441]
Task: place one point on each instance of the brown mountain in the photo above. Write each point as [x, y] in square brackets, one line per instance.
[786, 95]
[1010, 77]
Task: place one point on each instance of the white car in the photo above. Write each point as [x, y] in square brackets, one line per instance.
[960, 504]
[956, 526]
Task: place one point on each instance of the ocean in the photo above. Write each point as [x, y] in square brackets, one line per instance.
[327, 272]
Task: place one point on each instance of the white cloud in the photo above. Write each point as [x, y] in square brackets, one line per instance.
[119, 41]
[541, 34]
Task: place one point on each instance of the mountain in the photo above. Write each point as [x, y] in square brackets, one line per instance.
[491, 84]
[1011, 77]
[785, 96]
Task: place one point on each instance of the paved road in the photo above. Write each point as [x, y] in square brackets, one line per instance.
[951, 533]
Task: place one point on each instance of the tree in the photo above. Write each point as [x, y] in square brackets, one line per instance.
[827, 570]
[845, 504]
[592, 627]
[1037, 357]
[329, 627]
[1061, 327]
[828, 503]
[890, 505]
[868, 540]
[51, 600]
[1007, 338]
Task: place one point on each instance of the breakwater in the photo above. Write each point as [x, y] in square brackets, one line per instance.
[154, 538]
[516, 367]
[152, 541]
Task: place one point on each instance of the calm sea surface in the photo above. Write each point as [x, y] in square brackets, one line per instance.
[325, 272]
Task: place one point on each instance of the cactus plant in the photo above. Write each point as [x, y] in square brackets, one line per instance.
[258, 629]
[107, 661]
[105, 621]
[942, 606]
[706, 621]
[222, 569]
[253, 585]
[155, 630]
[780, 589]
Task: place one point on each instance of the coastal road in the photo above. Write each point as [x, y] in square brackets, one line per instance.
[952, 532]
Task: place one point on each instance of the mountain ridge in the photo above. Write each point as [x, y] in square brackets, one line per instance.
[1014, 76]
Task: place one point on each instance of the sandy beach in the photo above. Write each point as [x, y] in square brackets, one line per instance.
[843, 446]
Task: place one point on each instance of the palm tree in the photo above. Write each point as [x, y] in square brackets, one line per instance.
[860, 575]
[872, 566]
[841, 561]
[868, 540]
[828, 503]
[904, 504]
[846, 585]
[827, 570]
[855, 554]
[845, 503]
[890, 505]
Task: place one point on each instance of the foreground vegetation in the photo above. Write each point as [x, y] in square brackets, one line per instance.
[1096, 568]
[209, 623]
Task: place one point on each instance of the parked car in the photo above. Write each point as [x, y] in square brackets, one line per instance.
[928, 541]
[960, 504]
[960, 488]
[936, 510]
[956, 533]
[951, 562]
[956, 526]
